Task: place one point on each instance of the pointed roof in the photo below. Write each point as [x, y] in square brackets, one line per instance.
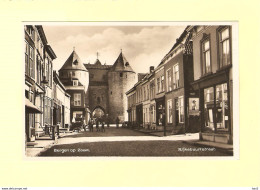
[97, 62]
[73, 63]
[121, 64]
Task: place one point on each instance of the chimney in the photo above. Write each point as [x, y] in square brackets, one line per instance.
[151, 69]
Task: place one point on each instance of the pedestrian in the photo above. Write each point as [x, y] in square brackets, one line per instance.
[89, 124]
[117, 122]
[84, 125]
[103, 125]
[97, 125]
[107, 120]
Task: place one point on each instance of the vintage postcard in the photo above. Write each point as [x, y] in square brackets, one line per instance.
[131, 89]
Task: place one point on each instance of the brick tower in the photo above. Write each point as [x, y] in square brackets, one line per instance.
[121, 78]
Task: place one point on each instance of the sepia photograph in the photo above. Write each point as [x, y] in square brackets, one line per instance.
[127, 89]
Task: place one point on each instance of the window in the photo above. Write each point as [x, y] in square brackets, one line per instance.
[209, 96]
[31, 32]
[176, 76]
[169, 80]
[147, 92]
[169, 111]
[222, 107]
[73, 73]
[216, 111]
[206, 64]
[179, 110]
[158, 85]
[162, 83]
[144, 93]
[121, 74]
[29, 60]
[75, 83]
[209, 108]
[50, 73]
[77, 99]
[224, 47]
[27, 64]
[38, 67]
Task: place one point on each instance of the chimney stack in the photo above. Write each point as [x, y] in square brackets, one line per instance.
[151, 69]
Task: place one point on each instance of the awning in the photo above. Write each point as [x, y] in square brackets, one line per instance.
[30, 108]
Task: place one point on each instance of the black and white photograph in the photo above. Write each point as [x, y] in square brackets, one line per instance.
[129, 89]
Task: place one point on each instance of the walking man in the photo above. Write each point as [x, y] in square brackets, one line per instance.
[97, 125]
[117, 122]
[103, 125]
[107, 120]
[90, 124]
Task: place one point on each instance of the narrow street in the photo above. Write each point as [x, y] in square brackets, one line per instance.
[126, 142]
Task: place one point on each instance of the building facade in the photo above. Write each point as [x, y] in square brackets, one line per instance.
[38, 81]
[75, 77]
[213, 81]
[61, 107]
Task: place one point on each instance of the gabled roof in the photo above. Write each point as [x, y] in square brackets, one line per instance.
[73, 63]
[121, 64]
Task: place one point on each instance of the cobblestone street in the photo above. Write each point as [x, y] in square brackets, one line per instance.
[118, 142]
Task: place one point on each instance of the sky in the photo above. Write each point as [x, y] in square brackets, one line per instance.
[143, 46]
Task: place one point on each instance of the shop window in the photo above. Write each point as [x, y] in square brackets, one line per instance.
[176, 76]
[222, 108]
[224, 47]
[206, 63]
[209, 108]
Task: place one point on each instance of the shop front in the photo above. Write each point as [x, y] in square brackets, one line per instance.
[215, 111]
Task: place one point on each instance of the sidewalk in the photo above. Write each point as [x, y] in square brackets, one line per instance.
[33, 149]
[39, 146]
[226, 148]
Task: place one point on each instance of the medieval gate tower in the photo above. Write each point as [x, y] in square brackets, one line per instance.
[101, 87]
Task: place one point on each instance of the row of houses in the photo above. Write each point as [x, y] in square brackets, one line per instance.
[191, 88]
[46, 100]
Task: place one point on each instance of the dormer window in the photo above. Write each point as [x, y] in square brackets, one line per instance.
[75, 62]
[75, 82]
